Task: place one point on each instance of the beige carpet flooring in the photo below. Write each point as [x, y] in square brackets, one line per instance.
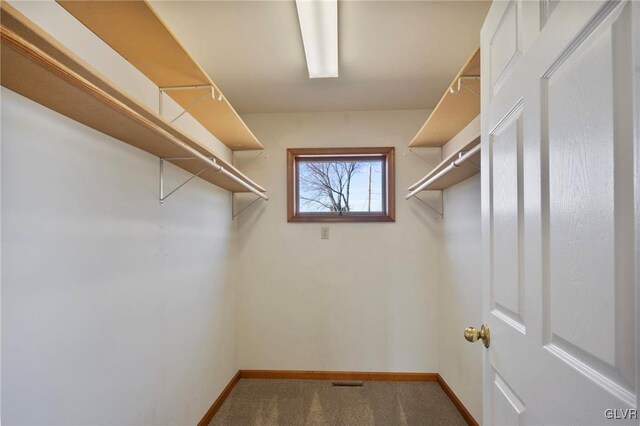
[309, 402]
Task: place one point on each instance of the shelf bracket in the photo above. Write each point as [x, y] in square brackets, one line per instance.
[460, 85]
[416, 155]
[162, 196]
[438, 212]
[262, 153]
[233, 195]
[162, 90]
[234, 213]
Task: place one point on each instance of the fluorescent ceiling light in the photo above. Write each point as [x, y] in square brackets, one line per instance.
[319, 27]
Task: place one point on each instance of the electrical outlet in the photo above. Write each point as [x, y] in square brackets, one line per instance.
[324, 233]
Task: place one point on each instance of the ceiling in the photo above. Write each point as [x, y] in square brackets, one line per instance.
[392, 54]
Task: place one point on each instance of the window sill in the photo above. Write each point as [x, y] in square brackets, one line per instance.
[338, 219]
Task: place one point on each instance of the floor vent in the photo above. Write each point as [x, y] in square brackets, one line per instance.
[347, 384]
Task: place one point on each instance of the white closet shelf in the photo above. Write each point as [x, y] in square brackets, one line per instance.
[135, 31]
[458, 106]
[38, 67]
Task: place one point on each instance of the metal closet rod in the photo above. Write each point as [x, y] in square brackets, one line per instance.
[454, 164]
[217, 167]
[242, 182]
[422, 179]
[230, 175]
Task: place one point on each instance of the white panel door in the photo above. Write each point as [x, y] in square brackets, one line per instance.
[561, 212]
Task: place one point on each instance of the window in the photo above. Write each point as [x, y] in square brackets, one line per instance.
[341, 185]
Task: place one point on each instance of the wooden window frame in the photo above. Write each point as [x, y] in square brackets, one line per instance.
[388, 154]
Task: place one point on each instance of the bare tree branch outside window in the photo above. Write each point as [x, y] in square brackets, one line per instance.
[340, 186]
[346, 184]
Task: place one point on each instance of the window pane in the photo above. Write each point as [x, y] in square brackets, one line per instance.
[347, 186]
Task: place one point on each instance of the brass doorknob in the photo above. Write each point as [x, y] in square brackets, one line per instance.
[472, 334]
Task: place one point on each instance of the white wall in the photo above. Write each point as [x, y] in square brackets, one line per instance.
[114, 310]
[460, 293]
[366, 299]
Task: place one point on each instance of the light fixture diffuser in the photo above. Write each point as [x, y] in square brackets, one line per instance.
[319, 27]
